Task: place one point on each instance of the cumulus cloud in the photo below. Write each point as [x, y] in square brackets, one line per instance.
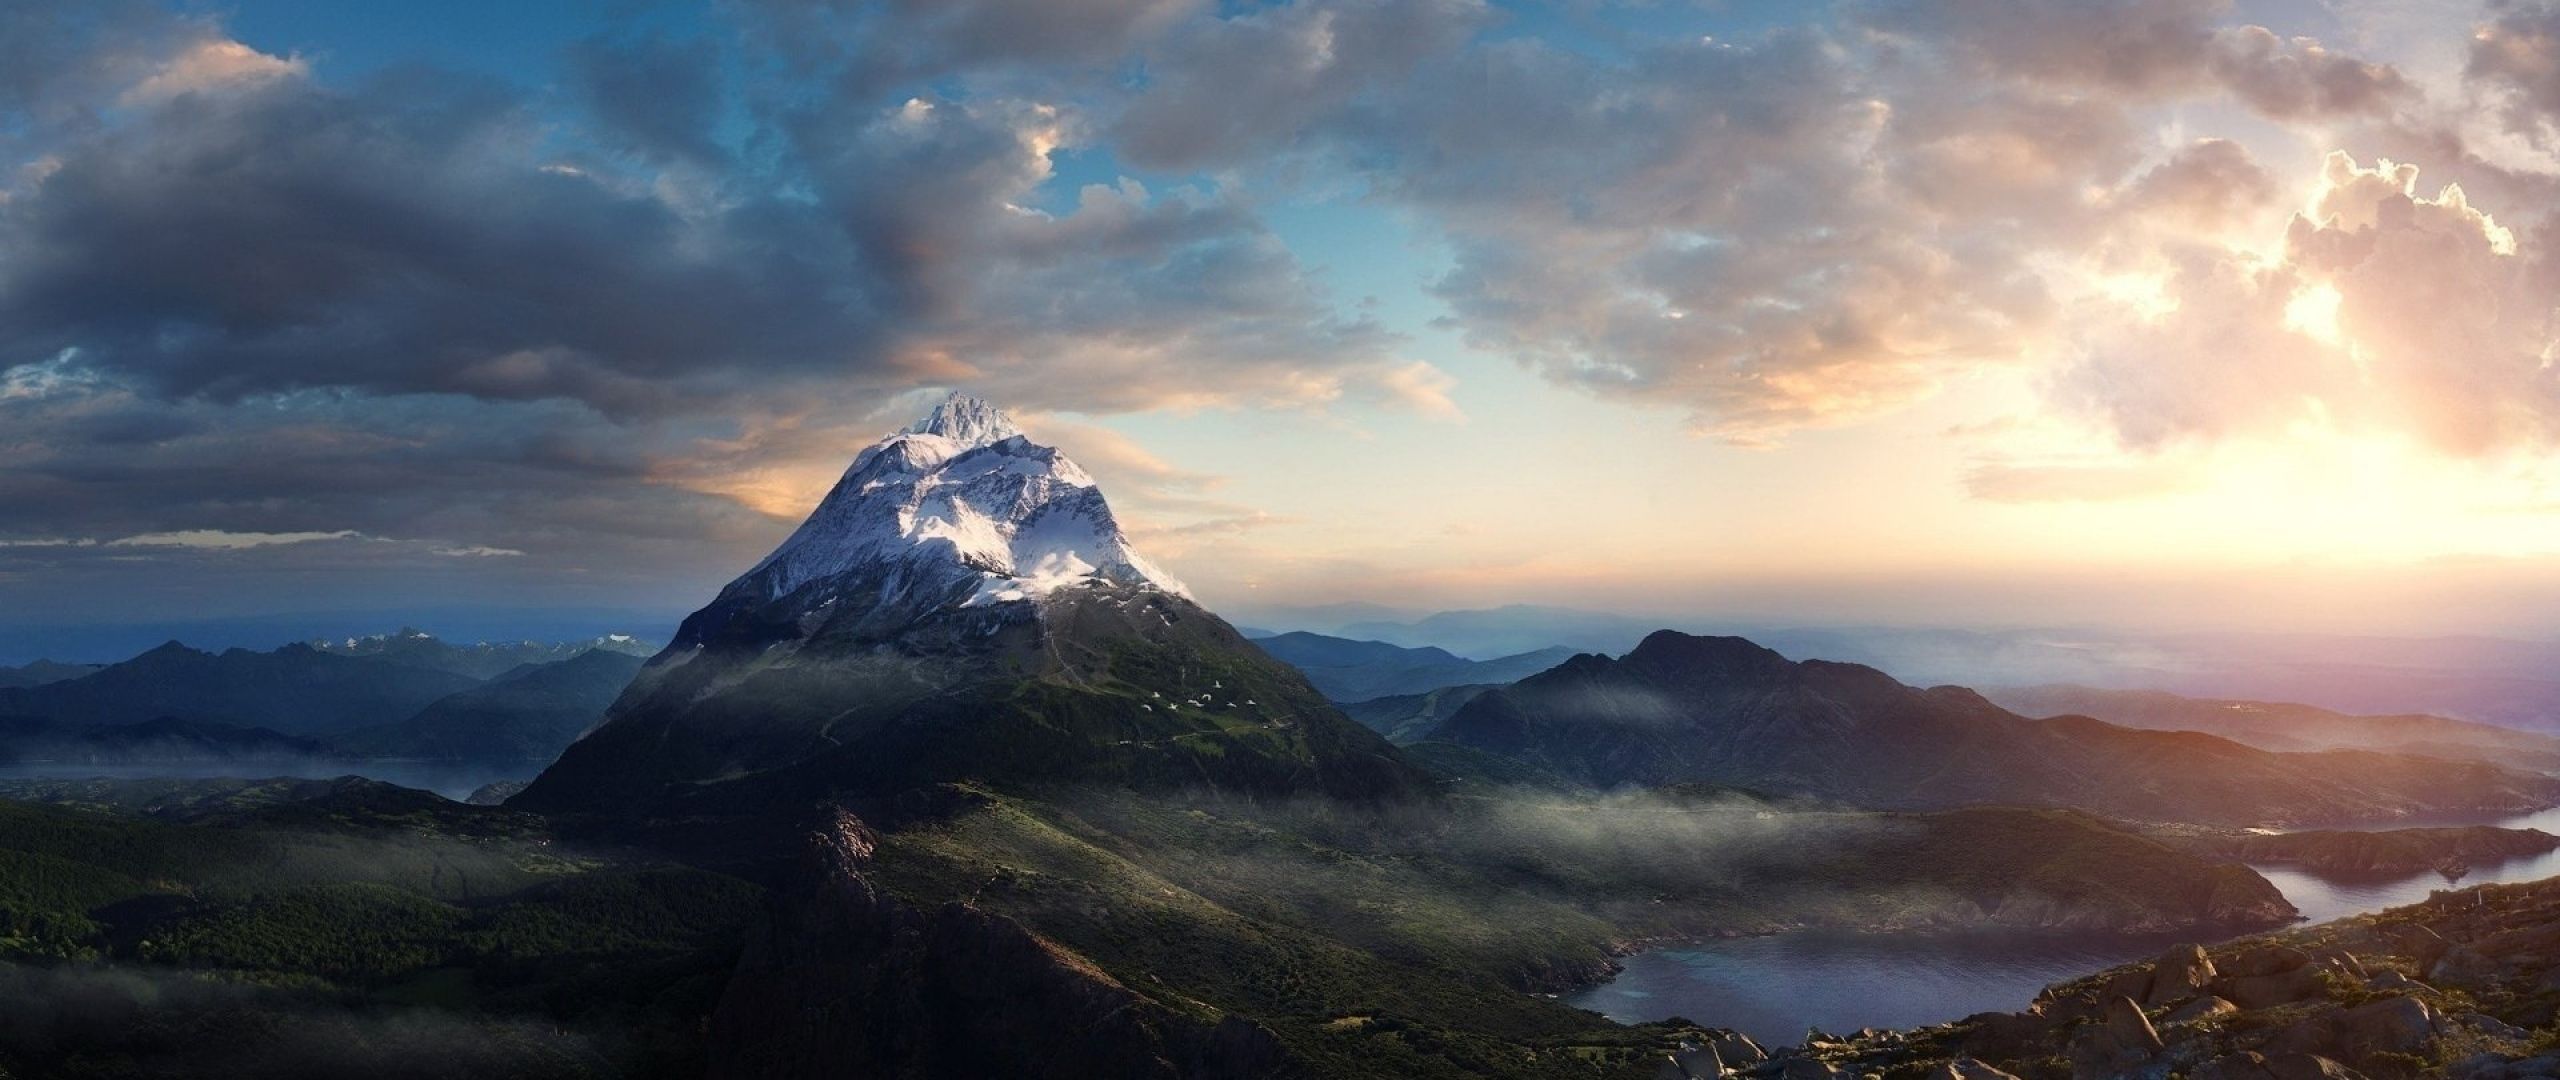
[211, 66]
[2387, 309]
[659, 298]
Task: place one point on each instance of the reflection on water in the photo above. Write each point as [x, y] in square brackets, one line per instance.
[453, 780]
[2322, 899]
[1772, 988]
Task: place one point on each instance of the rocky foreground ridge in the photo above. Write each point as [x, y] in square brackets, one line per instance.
[2465, 985]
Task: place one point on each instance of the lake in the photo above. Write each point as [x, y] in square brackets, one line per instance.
[1772, 988]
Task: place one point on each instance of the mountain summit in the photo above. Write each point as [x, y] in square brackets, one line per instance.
[959, 509]
[961, 606]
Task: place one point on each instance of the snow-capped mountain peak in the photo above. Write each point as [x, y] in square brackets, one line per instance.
[959, 509]
[967, 420]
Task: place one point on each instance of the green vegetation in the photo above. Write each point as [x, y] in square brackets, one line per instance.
[358, 929]
[1398, 940]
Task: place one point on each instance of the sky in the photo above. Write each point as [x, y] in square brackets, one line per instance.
[2178, 314]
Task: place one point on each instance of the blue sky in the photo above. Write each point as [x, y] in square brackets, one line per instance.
[1978, 312]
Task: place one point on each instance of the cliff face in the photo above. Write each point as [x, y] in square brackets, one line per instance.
[848, 981]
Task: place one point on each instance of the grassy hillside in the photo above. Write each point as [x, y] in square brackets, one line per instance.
[1399, 941]
[356, 930]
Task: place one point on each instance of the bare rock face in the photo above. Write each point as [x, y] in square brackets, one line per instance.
[848, 981]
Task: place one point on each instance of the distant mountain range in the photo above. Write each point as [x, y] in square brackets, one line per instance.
[167, 740]
[2511, 682]
[480, 660]
[1725, 711]
[1347, 670]
[41, 672]
[401, 695]
[2270, 725]
[527, 714]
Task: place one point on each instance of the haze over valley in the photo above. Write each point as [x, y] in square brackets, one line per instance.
[1280, 539]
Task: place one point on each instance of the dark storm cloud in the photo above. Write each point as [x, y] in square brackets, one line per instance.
[659, 97]
[400, 238]
[429, 313]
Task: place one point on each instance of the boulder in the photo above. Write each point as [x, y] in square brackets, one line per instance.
[2421, 945]
[2462, 965]
[1805, 1068]
[1737, 1049]
[2388, 979]
[2249, 1065]
[2203, 1008]
[2121, 1040]
[2396, 1025]
[2491, 1026]
[2500, 1067]
[2309, 1067]
[1966, 1068]
[2301, 983]
[2181, 973]
[2246, 1065]
[2265, 960]
[2392, 1025]
[1698, 1061]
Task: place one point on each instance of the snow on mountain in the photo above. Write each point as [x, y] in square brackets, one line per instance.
[961, 492]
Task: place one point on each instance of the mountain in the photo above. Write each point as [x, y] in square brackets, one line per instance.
[2283, 726]
[962, 605]
[529, 714]
[480, 660]
[1509, 630]
[40, 672]
[1405, 718]
[297, 690]
[1347, 670]
[1683, 709]
[164, 740]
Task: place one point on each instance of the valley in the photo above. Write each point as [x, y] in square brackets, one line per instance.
[955, 772]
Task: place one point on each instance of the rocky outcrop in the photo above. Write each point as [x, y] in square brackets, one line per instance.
[2454, 987]
[849, 981]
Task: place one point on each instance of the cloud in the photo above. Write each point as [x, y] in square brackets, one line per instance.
[479, 551]
[2515, 58]
[220, 540]
[208, 67]
[2387, 310]
[867, 47]
[2144, 49]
